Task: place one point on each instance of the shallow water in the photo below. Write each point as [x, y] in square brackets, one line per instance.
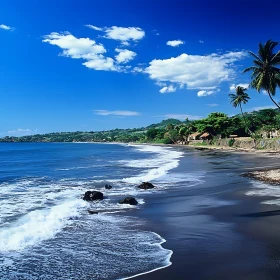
[45, 230]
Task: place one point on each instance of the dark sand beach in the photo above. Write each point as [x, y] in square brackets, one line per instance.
[216, 230]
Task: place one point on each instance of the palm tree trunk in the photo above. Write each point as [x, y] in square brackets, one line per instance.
[250, 132]
[272, 99]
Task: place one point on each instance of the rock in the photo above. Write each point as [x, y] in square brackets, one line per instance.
[129, 200]
[92, 212]
[93, 195]
[108, 187]
[201, 148]
[146, 186]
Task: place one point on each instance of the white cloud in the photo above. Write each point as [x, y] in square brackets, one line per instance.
[233, 86]
[174, 43]
[137, 70]
[6, 27]
[166, 89]
[125, 43]
[124, 55]
[116, 113]
[182, 116]
[201, 42]
[19, 132]
[124, 34]
[205, 93]
[261, 108]
[160, 84]
[212, 105]
[82, 48]
[195, 71]
[264, 92]
[74, 47]
[101, 63]
[94, 27]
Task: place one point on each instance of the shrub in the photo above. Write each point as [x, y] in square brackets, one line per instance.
[231, 142]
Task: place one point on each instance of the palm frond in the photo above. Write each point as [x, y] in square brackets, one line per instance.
[261, 52]
[258, 63]
[264, 73]
[255, 56]
[276, 58]
[249, 69]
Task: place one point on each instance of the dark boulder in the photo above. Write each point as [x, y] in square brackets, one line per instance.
[93, 195]
[92, 212]
[129, 200]
[201, 148]
[108, 187]
[146, 186]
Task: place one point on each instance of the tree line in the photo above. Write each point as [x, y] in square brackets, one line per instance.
[217, 124]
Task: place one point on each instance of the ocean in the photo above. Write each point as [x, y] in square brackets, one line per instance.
[46, 231]
[202, 221]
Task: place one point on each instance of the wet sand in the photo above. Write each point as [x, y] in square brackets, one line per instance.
[215, 230]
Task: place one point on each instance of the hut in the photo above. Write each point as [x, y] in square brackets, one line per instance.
[194, 136]
[206, 136]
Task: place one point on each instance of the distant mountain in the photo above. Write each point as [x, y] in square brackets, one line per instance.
[114, 135]
[165, 123]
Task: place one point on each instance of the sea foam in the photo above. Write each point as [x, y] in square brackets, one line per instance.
[39, 225]
[164, 160]
[38, 209]
[46, 222]
[265, 190]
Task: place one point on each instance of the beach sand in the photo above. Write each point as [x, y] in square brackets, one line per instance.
[216, 230]
[271, 176]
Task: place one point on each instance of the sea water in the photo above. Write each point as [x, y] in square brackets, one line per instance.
[45, 229]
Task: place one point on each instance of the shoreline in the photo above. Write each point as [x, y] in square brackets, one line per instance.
[246, 214]
[155, 269]
[207, 147]
[229, 149]
[267, 174]
[270, 176]
[196, 147]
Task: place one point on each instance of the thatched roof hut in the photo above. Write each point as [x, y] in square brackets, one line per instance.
[194, 136]
[205, 136]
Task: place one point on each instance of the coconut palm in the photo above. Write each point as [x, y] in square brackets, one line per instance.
[265, 74]
[238, 98]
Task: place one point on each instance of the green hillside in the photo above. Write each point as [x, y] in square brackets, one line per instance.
[171, 130]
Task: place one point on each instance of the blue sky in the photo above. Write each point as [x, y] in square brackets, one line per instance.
[94, 65]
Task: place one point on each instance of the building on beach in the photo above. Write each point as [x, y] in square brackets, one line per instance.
[194, 136]
[206, 136]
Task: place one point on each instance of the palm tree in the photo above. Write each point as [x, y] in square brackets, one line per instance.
[238, 98]
[265, 74]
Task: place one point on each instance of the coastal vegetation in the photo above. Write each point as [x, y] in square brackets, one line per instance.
[217, 124]
[265, 74]
[240, 96]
